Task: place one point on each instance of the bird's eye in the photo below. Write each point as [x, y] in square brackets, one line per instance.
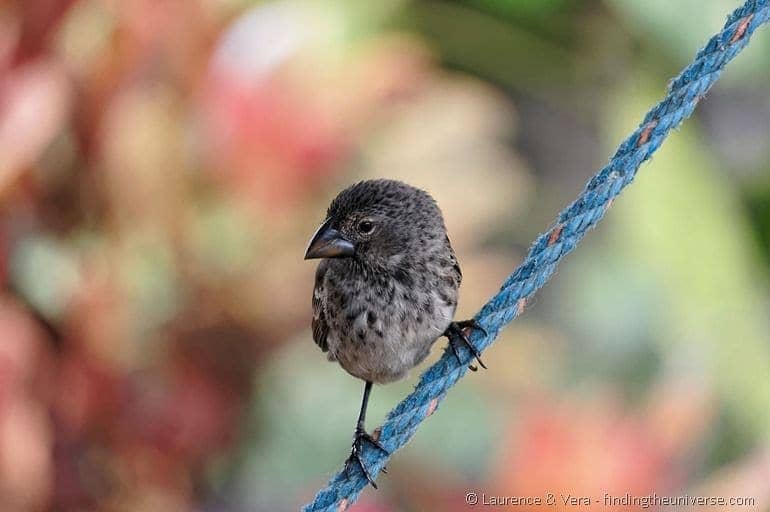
[365, 227]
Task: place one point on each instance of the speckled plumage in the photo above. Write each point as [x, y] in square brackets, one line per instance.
[378, 312]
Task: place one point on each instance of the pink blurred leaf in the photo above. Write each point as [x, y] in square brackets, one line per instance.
[34, 101]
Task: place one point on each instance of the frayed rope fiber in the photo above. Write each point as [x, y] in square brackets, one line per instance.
[684, 93]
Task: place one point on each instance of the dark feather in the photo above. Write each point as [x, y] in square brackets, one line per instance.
[320, 327]
[455, 264]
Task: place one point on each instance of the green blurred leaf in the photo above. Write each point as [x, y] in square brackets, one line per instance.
[681, 28]
[682, 226]
[46, 273]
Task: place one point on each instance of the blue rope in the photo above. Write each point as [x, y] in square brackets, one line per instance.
[684, 93]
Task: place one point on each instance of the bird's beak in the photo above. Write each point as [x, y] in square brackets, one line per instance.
[327, 242]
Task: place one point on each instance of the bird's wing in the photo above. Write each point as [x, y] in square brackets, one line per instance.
[455, 264]
[320, 327]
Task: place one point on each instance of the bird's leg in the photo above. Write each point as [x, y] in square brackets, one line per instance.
[361, 435]
[456, 334]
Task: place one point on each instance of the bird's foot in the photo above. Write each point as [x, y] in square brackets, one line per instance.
[356, 453]
[456, 334]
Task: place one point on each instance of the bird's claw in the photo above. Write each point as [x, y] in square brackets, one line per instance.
[471, 324]
[456, 334]
[355, 454]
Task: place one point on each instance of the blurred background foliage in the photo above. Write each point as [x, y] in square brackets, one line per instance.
[163, 163]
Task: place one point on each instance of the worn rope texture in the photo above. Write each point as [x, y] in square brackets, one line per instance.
[684, 93]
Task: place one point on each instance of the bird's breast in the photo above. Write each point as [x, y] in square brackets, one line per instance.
[379, 334]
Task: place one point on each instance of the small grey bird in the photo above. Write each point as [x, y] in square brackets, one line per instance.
[386, 289]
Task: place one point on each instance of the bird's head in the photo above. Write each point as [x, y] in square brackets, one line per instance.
[379, 222]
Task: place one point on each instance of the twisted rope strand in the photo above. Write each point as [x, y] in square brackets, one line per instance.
[684, 93]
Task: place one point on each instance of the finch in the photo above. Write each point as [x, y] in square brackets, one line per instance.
[386, 288]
